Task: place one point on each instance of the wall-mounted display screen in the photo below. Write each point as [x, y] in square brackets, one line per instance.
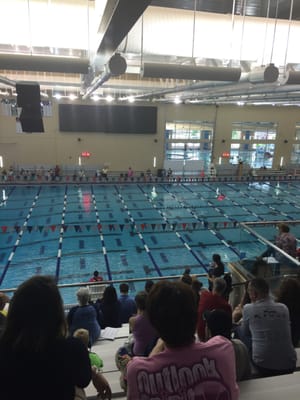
[107, 119]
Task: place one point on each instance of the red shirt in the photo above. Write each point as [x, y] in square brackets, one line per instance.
[210, 301]
[94, 279]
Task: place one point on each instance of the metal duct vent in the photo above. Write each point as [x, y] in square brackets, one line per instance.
[292, 78]
[190, 72]
[66, 65]
[117, 65]
[264, 74]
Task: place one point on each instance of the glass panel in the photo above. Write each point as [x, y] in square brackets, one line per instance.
[187, 140]
[297, 132]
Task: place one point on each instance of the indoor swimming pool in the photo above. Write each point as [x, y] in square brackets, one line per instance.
[134, 230]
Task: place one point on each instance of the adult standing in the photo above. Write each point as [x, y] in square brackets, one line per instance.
[216, 271]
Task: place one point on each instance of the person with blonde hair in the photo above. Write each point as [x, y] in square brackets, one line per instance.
[99, 381]
[85, 316]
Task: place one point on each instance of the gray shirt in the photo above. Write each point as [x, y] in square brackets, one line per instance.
[267, 325]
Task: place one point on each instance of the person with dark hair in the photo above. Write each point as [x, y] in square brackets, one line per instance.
[289, 294]
[265, 330]
[148, 285]
[96, 277]
[84, 315]
[38, 361]
[128, 306]
[110, 308]
[285, 241]
[219, 322]
[178, 365]
[186, 276]
[216, 271]
[212, 301]
[144, 335]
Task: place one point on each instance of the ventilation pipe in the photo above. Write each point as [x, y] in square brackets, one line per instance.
[116, 66]
[190, 72]
[266, 74]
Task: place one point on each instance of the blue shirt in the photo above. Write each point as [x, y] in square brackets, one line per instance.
[128, 307]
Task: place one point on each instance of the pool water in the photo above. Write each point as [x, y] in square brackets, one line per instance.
[125, 232]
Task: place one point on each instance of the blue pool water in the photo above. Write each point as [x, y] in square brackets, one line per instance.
[70, 230]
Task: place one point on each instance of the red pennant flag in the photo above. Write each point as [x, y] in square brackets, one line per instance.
[142, 226]
[4, 229]
[53, 227]
[225, 224]
[99, 227]
[184, 225]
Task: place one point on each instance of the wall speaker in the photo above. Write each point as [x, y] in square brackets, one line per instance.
[28, 94]
[29, 99]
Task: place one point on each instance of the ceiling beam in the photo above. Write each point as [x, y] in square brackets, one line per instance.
[118, 18]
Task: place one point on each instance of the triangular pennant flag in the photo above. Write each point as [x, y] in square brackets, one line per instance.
[121, 227]
[88, 227]
[29, 228]
[225, 224]
[4, 229]
[17, 229]
[40, 228]
[77, 228]
[183, 225]
[174, 225]
[153, 226]
[65, 228]
[164, 226]
[99, 227]
[194, 225]
[205, 224]
[111, 227]
[215, 225]
[142, 227]
[53, 227]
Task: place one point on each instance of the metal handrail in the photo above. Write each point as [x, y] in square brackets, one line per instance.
[112, 281]
[253, 232]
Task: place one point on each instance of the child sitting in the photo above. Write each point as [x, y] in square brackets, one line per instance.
[99, 382]
[83, 334]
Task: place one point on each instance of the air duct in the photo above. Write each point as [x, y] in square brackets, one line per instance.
[66, 65]
[116, 66]
[292, 78]
[190, 72]
[267, 74]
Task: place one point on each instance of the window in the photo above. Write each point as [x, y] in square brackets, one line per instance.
[187, 140]
[295, 156]
[253, 143]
